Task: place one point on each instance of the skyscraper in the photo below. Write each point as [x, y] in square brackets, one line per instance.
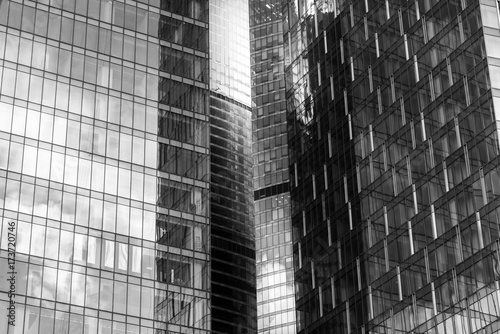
[106, 170]
[275, 287]
[393, 133]
[78, 161]
[183, 294]
[232, 219]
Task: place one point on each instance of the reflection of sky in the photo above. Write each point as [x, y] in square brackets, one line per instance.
[301, 35]
[230, 49]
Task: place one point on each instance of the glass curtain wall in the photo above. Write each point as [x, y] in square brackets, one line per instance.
[232, 219]
[394, 165]
[104, 166]
[182, 301]
[78, 143]
[275, 287]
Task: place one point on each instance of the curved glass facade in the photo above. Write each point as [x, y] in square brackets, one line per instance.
[229, 50]
[275, 287]
[233, 245]
[232, 218]
[394, 165]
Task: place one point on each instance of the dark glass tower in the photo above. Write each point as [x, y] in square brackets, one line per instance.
[393, 134]
[232, 219]
[275, 288]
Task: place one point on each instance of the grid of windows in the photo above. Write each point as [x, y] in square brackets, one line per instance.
[78, 103]
[232, 226]
[112, 227]
[229, 50]
[394, 165]
[182, 302]
[275, 287]
[232, 219]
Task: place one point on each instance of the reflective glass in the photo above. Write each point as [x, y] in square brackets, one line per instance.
[79, 168]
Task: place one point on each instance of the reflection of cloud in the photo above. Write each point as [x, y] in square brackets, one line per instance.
[52, 243]
[229, 53]
[49, 283]
[78, 289]
[37, 240]
[63, 286]
[68, 208]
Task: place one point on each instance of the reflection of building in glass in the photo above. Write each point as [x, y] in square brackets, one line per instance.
[78, 126]
[232, 224]
[394, 165]
[182, 300]
[104, 162]
[275, 289]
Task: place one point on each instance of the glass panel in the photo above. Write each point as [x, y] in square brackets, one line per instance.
[82, 210]
[4, 153]
[29, 160]
[49, 283]
[135, 223]
[57, 168]
[6, 116]
[25, 48]
[125, 147]
[122, 254]
[12, 195]
[26, 202]
[80, 249]
[41, 198]
[106, 296]
[62, 96]
[33, 125]
[134, 296]
[137, 186]
[124, 183]
[492, 45]
[37, 240]
[84, 172]
[92, 291]
[52, 239]
[109, 254]
[22, 85]
[69, 207]
[49, 92]
[111, 179]
[63, 286]
[78, 289]
[109, 218]
[35, 281]
[95, 213]
[60, 135]
[66, 246]
[19, 121]
[97, 176]
[70, 170]
[120, 297]
[122, 219]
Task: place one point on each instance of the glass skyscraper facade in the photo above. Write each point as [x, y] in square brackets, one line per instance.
[393, 133]
[232, 217]
[183, 290]
[78, 164]
[275, 287]
[105, 168]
